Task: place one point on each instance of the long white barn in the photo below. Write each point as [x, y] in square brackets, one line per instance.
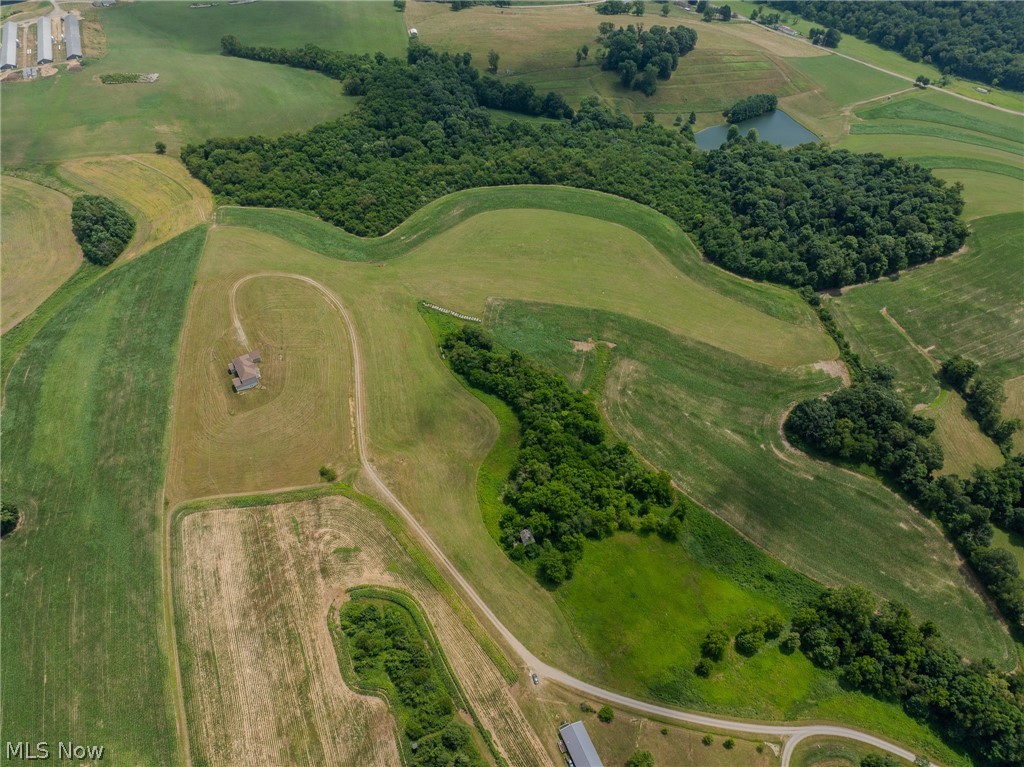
[44, 41]
[72, 37]
[9, 46]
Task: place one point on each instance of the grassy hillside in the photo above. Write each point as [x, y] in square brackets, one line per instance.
[40, 252]
[967, 304]
[712, 420]
[200, 93]
[84, 434]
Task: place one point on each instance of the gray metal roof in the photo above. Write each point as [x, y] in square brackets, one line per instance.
[72, 37]
[44, 41]
[9, 47]
[577, 743]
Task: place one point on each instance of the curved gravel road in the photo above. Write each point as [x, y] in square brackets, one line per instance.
[792, 734]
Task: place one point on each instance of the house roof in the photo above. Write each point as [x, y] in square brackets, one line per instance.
[245, 368]
[578, 744]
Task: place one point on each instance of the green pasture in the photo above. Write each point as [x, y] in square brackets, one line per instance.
[712, 420]
[845, 82]
[84, 435]
[200, 94]
[964, 446]
[966, 304]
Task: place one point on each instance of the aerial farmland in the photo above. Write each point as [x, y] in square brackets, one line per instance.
[396, 382]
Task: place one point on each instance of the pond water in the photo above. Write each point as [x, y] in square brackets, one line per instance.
[777, 127]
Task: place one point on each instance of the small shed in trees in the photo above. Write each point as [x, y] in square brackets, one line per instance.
[246, 371]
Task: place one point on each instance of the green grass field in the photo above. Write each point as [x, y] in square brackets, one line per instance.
[712, 420]
[964, 446]
[962, 305]
[84, 435]
[200, 94]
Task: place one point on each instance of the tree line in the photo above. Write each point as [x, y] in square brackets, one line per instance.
[102, 227]
[985, 397]
[641, 56]
[569, 482]
[877, 648]
[752, 106]
[868, 423]
[805, 216]
[980, 41]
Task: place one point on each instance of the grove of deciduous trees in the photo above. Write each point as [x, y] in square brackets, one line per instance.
[102, 227]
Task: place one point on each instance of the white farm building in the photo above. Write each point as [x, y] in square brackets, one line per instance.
[72, 37]
[9, 47]
[44, 41]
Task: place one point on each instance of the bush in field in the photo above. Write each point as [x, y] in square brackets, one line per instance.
[606, 714]
[102, 227]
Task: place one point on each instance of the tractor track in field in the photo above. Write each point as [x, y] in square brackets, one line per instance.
[792, 735]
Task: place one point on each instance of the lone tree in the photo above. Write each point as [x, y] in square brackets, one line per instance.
[606, 714]
[641, 759]
[161, 147]
[492, 61]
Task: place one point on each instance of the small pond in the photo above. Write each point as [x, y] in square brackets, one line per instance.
[777, 127]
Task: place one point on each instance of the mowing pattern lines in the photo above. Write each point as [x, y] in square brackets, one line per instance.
[254, 588]
[262, 684]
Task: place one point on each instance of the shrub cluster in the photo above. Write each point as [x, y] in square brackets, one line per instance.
[568, 482]
[119, 78]
[388, 652]
[805, 216]
[751, 106]
[980, 41]
[878, 649]
[102, 227]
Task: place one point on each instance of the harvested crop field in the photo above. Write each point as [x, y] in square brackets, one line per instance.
[253, 588]
[157, 191]
[39, 250]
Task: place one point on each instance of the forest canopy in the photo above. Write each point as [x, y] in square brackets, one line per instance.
[980, 41]
[805, 216]
[752, 106]
[102, 227]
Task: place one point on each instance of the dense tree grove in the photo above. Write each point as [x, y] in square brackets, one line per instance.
[821, 217]
[868, 423]
[751, 106]
[805, 216]
[980, 41]
[9, 516]
[878, 649]
[568, 483]
[644, 56]
[388, 652]
[102, 227]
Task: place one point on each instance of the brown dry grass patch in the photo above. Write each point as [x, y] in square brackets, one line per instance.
[253, 589]
[156, 189]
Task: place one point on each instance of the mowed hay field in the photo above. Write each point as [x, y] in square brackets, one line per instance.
[84, 434]
[964, 446]
[262, 684]
[39, 250]
[160, 194]
[966, 304]
[713, 420]
[538, 46]
[299, 418]
[200, 94]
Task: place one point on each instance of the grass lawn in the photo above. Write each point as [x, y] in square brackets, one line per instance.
[40, 252]
[712, 420]
[200, 93]
[960, 305]
[84, 435]
[298, 419]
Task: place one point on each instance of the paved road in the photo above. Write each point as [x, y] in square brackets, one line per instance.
[793, 734]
